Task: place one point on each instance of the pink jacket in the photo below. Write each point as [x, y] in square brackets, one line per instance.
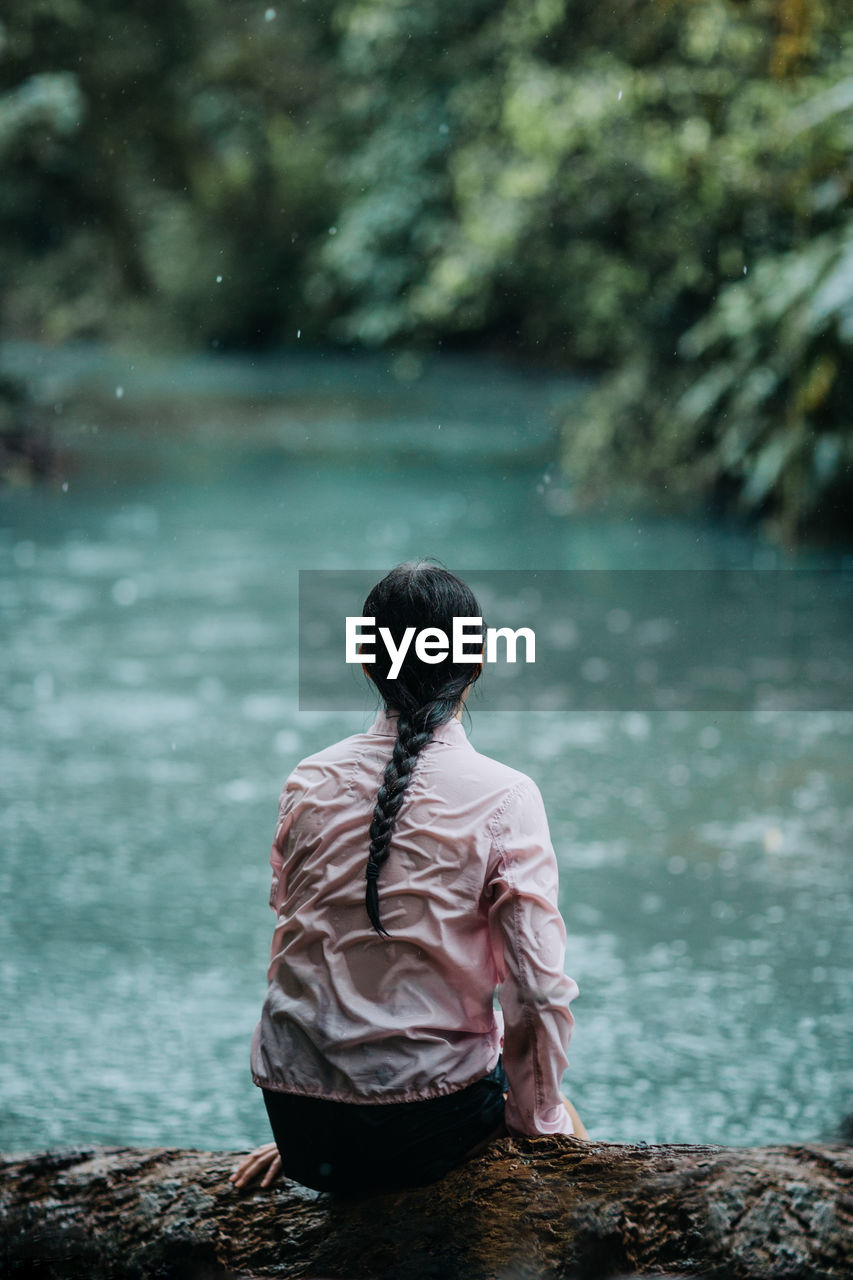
[469, 897]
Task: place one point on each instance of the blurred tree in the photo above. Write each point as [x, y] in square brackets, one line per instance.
[752, 405]
[632, 188]
[583, 182]
[585, 171]
[192, 175]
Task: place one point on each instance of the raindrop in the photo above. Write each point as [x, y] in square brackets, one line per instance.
[24, 554]
[618, 621]
[676, 865]
[619, 96]
[635, 725]
[219, 279]
[269, 16]
[286, 740]
[240, 790]
[595, 670]
[299, 333]
[333, 231]
[125, 592]
[744, 271]
[119, 392]
[43, 686]
[64, 486]
[679, 774]
[773, 840]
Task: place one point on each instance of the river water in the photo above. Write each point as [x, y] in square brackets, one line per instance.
[148, 718]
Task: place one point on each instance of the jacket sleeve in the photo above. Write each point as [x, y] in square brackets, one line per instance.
[278, 885]
[528, 940]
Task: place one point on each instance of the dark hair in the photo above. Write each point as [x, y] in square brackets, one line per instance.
[417, 594]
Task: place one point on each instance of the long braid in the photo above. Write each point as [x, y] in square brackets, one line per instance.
[424, 696]
[410, 742]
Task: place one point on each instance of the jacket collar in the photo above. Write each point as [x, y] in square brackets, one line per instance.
[451, 731]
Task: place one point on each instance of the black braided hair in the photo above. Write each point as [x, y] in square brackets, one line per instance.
[424, 695]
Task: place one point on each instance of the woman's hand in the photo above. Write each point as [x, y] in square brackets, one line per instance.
[263, 1160]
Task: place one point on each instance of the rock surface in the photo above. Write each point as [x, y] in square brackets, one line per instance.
[529, 1209]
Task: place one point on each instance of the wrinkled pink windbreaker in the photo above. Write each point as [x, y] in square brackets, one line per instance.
[469, 897]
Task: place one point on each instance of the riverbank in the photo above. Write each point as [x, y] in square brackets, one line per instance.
[321, 403]
[59, 405]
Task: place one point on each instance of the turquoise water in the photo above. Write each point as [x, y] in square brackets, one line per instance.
[148, 718]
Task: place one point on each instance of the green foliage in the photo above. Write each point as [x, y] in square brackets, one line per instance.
[754, 405]
[556, 173]
[586, 182]
[657, 192]
[775, 396]
[178, 200]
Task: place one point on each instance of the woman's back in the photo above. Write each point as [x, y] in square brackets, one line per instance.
[468, 897]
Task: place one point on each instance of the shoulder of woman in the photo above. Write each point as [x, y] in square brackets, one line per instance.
[319, 760]
[522, 796]
[498, 772]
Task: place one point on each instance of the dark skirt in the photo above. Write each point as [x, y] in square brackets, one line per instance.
[351, 1148]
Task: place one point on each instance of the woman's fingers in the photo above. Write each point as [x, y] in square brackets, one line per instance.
[247, 1163]
[246, 1174]
[253, 1165]
[265, 1159]
[274, 1171]
[245, 1170]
